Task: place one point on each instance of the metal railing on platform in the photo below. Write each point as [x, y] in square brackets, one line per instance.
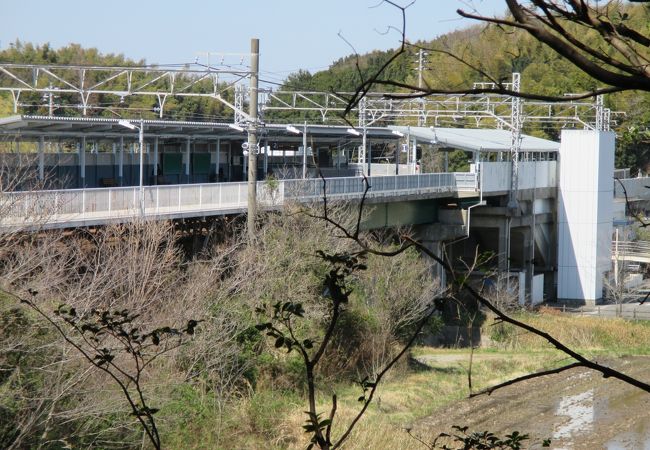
[631, 250]
[384, 186]
[74, 206]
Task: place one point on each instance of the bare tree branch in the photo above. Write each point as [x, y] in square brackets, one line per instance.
[529, 376]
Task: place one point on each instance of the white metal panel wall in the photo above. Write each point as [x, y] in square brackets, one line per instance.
[496, 175]
[586, 161]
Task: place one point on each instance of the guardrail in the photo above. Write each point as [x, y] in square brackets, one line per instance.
[631, 249]
[620, 311]
[99, 205]
[636, 188]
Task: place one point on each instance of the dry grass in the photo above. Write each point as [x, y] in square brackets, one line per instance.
[615, 336]
[412, 395]
[274, 420]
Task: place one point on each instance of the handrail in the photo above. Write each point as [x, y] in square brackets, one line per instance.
[69, 206]
[631, 247]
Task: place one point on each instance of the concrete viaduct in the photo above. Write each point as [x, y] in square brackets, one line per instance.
[548, 220]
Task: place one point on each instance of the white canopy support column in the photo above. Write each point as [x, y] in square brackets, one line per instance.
[266, 157]
[414, 155]
[120, 164]
[229, 161]
[188, 149]
[82, 162]
[397, 149]
[369, 144]
[218, 158]
[41, 158]
[155, 160]
[338, 156]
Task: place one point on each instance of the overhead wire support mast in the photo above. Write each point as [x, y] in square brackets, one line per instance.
[164, 81]
[515, 145]
[436, 109]
[159, 81]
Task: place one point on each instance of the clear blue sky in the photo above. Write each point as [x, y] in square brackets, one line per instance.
[293, 34]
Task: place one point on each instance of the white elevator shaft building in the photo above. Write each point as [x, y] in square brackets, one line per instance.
[584, 215]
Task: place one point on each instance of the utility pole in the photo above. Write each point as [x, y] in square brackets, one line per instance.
[304, 151]
[252, 139]
[141, 183]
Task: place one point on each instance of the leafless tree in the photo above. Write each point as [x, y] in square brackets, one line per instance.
[502, 291]
[395, 310]
[618, 58]
[134, 269]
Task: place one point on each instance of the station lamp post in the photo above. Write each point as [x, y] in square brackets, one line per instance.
[130, 126]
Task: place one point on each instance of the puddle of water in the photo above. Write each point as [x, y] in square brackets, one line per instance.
[637, 438]
[580, 414]
[579, 409]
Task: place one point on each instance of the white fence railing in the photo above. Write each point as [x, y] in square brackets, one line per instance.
[383, 170]
[98, 205]
[629, 311]
[384, 186]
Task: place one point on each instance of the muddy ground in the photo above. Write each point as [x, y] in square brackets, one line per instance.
[577, 409]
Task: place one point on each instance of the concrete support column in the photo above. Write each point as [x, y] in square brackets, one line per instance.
[503, 246]
[527, 259]
[431, 237]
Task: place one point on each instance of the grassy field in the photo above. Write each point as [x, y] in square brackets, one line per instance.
[273, 419]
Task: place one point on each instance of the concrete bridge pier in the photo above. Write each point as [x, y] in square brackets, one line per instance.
[433, 237]
[520, 239]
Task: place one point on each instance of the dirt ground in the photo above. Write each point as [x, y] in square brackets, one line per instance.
[577, 409]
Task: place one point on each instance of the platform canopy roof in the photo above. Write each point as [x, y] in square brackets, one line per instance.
[32, 127]
[484, 140]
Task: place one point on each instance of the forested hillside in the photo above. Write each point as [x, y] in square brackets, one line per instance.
[498, 52]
